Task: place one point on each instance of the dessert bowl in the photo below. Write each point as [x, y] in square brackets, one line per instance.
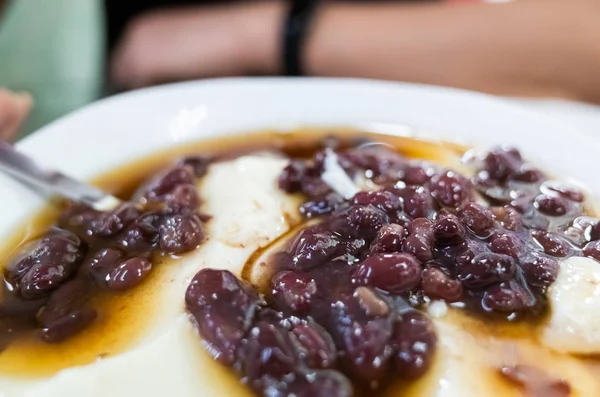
[166, 356]
[116, 130]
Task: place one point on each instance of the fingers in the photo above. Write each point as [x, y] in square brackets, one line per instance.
[14, 108]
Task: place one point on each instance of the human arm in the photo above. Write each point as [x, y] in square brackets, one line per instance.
[527, 48]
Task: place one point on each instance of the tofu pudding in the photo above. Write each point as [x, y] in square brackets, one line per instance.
[319, 263]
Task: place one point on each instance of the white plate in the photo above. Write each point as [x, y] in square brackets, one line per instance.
[119, 129]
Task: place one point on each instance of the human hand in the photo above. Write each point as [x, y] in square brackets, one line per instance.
[14, 108]
[188, 43]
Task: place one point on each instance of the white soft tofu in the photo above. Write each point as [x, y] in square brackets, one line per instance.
[469, 356]
[463, 367]
[574, 325]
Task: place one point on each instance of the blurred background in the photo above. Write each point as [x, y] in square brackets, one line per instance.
[59, 55]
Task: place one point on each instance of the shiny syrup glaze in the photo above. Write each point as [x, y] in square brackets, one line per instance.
[305, 273]
[127, 316]
[124, 318]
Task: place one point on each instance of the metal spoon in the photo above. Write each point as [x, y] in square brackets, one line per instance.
[51, 182]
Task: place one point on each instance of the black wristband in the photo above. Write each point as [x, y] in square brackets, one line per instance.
[295, 31]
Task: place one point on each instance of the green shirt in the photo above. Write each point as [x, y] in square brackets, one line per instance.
[54, 49]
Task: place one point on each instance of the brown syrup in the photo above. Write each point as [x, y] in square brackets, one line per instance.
[125, 318]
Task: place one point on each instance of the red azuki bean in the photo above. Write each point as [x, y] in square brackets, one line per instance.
[418, 175]
[450, 189]
[109, 224]
[592, 250]
[141, 236]
[438, 285]
[67, 326]
[293, 291]
[183, 199]
[540, 271]
[507, 297]
[549, 205]
[506, 244]
[267, 352]
[417, 200]
[550, 243]
[315, 246]
[383, 162]
[314, 186]
[563, 190]
[180, 233]
[87, 222]
[595, 232]
[508, 217]
[384, 200]
[396, 273]
[290, 179]
[486, 269]
[199, 164]
[41, 266]
[420, 239]
[68, 298]
[166, 182]
[414, 342]
[528, 174]
[389, 239]
[368, 350]
[359, 221]
[13, 306]
[477, 218]
[317, 348]
[364, 338]
[128, 274]
[102, 264]
[223, 308]
[494, 191]
[580, 230]
[371, 302]
[321, 205]
[502, 162]
[447, 230]
[320, 383]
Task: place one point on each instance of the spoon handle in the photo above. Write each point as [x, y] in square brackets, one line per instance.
[51, 182]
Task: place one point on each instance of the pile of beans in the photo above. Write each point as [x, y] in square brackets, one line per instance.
[346, 297]
[50, 280]
[344, 313]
